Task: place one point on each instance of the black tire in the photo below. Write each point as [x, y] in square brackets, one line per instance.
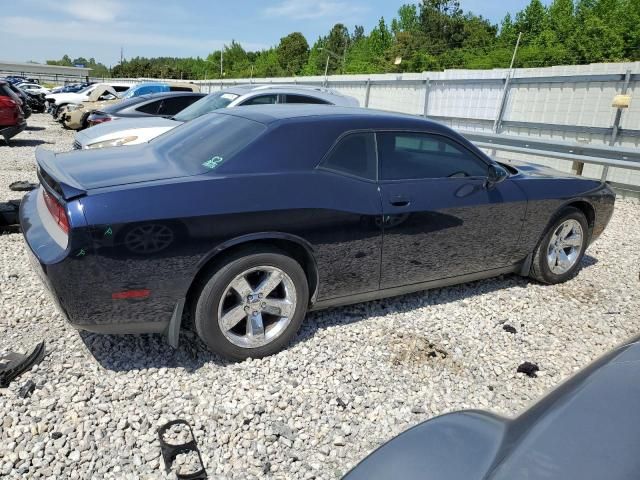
[206, 317]
[540, 269]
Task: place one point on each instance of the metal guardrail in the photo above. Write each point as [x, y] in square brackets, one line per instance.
[603, 155]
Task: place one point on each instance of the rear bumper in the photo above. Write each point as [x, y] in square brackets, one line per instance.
[12, 131]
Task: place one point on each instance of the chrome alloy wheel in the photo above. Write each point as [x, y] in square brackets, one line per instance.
[565, 246]
[257, 307]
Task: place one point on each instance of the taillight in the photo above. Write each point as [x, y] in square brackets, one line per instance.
[56, 210]
[7, 102]
[98, 120]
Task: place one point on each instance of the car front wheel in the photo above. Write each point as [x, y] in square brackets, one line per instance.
[252, 305]
[562, 247]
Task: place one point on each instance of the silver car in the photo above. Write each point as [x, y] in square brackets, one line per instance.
[140, 130]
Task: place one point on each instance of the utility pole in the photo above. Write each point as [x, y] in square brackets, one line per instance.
[503, 101]
[326, 71]
[121, 55]
[221, 63]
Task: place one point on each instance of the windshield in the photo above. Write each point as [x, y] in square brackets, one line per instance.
[207, 143]
[208, 104]
[86, 89]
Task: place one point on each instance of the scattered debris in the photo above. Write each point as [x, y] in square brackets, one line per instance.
[9, 215]
[341, 402]
[56, 435]
[14, 364]
[418, 410]
[27, 389]
[529, 369]
[22, 186]
[184, 452]
[508, 328]
[612, 313]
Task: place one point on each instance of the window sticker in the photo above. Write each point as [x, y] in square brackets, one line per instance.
[213, 162]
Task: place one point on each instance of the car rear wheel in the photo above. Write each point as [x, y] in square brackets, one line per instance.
[252, 305]
[561, 249]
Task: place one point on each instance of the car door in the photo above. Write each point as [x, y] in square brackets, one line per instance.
[440, 218]
[348, 234]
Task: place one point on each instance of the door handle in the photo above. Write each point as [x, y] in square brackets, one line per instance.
[399, 200]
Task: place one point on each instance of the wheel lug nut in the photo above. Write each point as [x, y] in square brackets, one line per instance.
[255, 313]
[260, 295]
[246, 309]
[263, 304]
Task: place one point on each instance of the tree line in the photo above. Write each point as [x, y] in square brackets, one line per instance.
[430, 36]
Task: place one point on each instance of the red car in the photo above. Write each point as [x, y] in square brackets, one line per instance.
[12, 120]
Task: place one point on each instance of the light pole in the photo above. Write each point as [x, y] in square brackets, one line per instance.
[337, 57]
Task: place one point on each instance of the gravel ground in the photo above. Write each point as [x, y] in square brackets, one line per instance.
[354, 377]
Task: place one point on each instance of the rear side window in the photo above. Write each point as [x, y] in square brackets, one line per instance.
[354, 154]
[151, 108]
[121, 89]
[180, 89]
[406, 156]
[304, 99]
[261, 100]
[204, 144]
[171, 106]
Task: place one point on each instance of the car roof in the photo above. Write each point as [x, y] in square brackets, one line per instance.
[129, 102]
[268, 114]
[280, 88]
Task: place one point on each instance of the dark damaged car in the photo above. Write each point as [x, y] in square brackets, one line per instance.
[585, 429]
[252, 216]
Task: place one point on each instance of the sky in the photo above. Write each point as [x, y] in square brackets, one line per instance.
[39, 30]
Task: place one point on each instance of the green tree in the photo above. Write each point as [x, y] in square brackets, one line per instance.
[293, 53]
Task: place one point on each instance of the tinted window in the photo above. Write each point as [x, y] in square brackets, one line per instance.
[180, 89]
[206, 104]
[171, 106]
[417, 155]
[121, 89]
[261, 100]
[355, 154]
[304, 99]
[151, 108]
[206, 143]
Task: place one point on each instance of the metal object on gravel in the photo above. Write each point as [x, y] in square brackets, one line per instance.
[14, 364]
[184, 452]
[27, 389]
[22, 186]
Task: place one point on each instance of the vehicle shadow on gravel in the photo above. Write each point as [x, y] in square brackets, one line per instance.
[35, 129]
[139, 352]
[122, 353]
[27, 142]
[405, 303]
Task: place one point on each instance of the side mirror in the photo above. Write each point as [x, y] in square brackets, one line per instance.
[495, 175]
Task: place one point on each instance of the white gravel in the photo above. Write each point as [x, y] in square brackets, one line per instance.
[354, 378]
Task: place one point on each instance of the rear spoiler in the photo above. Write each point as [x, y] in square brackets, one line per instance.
[50, 174]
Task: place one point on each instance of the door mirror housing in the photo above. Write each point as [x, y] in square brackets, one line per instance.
[495, 175]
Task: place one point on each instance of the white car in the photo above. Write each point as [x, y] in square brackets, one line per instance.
[56, 100]
[34, 88]
[140, 130]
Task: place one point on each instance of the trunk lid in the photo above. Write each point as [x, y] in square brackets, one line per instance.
[79, 171]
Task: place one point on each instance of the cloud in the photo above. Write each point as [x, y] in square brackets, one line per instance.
[105, 11]
[86, 32]
[313, 9]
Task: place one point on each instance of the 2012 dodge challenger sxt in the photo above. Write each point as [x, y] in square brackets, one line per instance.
[252, 216]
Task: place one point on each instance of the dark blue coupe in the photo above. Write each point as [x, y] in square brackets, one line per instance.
[251, 216]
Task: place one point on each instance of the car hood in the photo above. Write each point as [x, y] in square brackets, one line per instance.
[84, 170]
[587, 428]
[93, 134]
[537, 170]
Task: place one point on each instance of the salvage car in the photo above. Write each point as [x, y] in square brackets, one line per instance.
[251, 216]
[75, 116]
[33, 88]
[57, 100]
[585, 429]
[134, 132]
[165, 105]
[12, 120]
